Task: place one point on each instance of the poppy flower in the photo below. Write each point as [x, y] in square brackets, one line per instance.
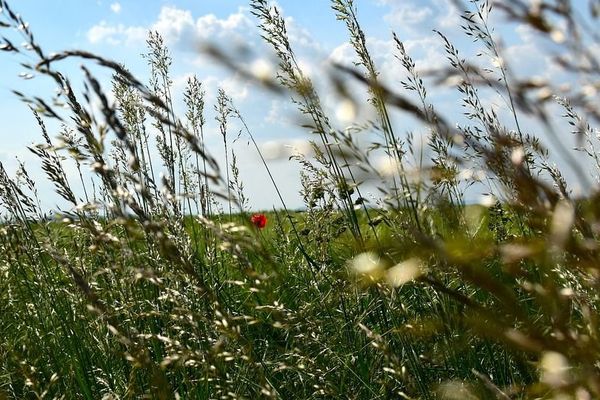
[259, 220]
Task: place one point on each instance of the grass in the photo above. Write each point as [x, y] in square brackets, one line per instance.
[150, 285]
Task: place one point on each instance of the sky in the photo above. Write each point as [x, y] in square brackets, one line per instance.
[118, 30]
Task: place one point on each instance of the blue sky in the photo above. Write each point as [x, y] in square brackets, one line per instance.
[117, 30]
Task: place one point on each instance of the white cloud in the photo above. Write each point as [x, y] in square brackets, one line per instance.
[116, 34]
[425, 51]
[281, 114]
[178, 27]
[174, 23]
[404, 15]
[233, 85]
[115, 7]
[343, 54]
[283, 149]
[448, 15]
[300, 36]
[388, 2]
[527, 57]
[407, 14]
[274, 115]
[236, 87]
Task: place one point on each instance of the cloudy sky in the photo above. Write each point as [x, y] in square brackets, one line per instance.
[118, 30]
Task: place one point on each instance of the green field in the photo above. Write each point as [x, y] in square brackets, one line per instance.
[155, 280]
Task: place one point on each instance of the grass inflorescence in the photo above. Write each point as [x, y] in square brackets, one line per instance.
[157, 280]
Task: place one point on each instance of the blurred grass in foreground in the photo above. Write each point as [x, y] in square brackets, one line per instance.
[154, 283]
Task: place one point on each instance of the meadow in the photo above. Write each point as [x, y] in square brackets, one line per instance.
[156, 280]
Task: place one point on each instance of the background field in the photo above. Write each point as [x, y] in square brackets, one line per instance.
[153, 279]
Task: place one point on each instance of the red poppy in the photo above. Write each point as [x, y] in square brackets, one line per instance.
[259, 220]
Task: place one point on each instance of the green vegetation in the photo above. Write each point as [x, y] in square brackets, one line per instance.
[161, 286]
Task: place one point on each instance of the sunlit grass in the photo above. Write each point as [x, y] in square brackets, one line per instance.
[156, 280]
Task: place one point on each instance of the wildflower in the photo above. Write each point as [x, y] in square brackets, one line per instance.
[259, 220]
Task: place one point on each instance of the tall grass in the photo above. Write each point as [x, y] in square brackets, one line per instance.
[153, 283]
